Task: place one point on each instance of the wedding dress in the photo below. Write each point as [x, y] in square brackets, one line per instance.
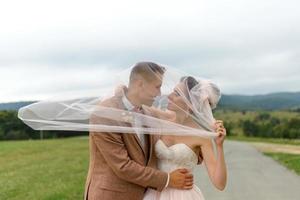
[170, 158]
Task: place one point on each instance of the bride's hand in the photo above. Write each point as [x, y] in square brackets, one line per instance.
[220, 129]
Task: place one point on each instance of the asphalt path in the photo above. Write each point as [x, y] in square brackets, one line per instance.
[251, 176]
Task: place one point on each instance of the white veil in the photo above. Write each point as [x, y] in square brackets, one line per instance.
[102, 113]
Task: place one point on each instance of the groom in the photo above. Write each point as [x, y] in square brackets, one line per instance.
[123, 166]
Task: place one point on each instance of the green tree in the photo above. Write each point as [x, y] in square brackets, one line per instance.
[250, 128]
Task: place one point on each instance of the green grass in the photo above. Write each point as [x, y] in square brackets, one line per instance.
[291, 161]
[44, 170]
[265, 140]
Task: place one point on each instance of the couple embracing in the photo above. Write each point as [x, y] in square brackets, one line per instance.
[157, 166]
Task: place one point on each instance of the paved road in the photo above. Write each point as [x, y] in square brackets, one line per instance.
[251, 176]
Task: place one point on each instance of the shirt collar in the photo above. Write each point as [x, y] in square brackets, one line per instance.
[128, 105]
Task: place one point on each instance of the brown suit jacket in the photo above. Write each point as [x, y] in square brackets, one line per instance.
[119, 168]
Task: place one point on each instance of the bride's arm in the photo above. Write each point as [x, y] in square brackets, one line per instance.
[215, 165]
[155, 112]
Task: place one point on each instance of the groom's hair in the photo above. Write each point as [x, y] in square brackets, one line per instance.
[148, 70]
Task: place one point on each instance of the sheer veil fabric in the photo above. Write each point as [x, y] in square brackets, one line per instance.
[90, 113]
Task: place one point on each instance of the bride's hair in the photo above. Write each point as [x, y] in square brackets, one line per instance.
[212, 90]
[148, 70]
[190, 83]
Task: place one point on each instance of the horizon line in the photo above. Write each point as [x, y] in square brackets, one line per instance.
[228, 94]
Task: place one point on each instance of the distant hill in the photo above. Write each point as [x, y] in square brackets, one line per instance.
[272, 101]
[14, 105]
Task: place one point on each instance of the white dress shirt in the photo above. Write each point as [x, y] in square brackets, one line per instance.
[137, 123]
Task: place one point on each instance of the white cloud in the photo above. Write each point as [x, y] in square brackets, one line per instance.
[44, 82]
[248, 46]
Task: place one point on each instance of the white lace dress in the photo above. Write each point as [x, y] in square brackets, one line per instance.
[170, 158]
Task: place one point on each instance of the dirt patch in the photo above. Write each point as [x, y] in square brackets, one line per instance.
[278, 148]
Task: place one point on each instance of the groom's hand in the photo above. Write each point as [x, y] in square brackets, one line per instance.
[181, 179]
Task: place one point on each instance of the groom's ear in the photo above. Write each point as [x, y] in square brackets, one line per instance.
[139, 82]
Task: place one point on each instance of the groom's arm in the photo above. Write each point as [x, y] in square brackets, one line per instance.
[115, 153]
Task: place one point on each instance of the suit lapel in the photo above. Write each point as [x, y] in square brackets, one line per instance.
[149, 148]
[138, 141]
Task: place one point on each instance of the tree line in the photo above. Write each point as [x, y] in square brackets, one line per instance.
[263, 125]
[266, 126]
[12, 128]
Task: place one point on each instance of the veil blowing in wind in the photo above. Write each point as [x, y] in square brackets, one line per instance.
[84, 113]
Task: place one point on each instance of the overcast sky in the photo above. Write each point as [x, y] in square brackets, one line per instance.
[52, 47]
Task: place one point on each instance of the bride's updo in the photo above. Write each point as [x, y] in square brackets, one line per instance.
[202, 89]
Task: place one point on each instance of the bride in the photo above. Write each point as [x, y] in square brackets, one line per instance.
[175, 152]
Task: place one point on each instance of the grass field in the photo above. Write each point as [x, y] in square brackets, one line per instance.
[43, 170]
[291, 161]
